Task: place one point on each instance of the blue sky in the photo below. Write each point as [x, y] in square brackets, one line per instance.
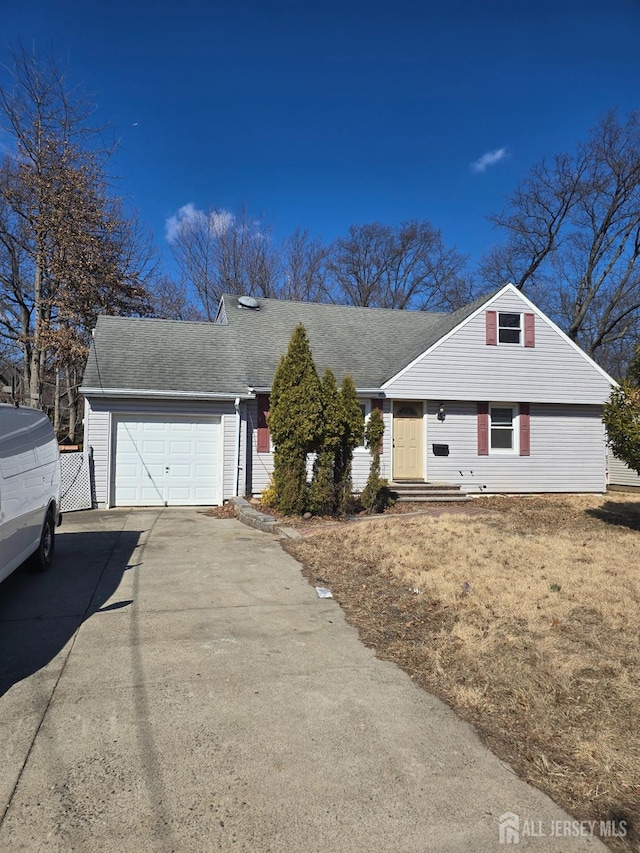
[323, 115]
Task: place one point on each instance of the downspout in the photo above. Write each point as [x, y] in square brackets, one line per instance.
[236, 460]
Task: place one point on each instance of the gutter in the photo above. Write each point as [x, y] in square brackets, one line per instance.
[167, 395]
[363, 392]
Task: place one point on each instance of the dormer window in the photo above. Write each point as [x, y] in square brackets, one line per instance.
[509, 328]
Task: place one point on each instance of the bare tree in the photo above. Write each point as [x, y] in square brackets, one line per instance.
[170, 300]
[220, 252]
[573, 239]
[67, 249]
[406, 266]
[303, 268]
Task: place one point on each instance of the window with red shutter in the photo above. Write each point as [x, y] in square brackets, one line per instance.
[264, 438]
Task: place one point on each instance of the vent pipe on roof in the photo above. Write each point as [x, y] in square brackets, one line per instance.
[248, 302]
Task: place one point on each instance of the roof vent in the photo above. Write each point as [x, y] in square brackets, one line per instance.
[248, 302]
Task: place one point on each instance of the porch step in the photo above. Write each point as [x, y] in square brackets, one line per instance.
[415, 492]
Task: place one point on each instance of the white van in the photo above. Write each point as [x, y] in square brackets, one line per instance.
[29, 489]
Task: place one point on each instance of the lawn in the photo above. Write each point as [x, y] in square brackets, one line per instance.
[525, 620]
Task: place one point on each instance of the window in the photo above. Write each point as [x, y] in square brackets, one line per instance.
[263, 436]
[365, 408]
[509, 328]
[502, 428]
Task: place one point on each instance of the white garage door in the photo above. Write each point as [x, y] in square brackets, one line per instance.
[167, 461]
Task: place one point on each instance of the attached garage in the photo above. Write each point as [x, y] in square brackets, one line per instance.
[167, 461]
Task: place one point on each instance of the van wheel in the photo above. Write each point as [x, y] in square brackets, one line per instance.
[43, 557]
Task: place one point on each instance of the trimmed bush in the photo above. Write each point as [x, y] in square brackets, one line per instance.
[622, 417]
[375, 496]
[295, 422]
[322, 492]
[352, 435]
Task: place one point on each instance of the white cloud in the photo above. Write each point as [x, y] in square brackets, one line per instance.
[189, 218]
[489, 158]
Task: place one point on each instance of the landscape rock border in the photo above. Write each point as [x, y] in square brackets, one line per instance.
[260, 520]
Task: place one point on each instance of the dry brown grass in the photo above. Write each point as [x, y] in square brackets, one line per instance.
[525, 621]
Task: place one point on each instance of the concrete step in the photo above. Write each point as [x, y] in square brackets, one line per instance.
[427, 493]
[421, 486]
[433, 499]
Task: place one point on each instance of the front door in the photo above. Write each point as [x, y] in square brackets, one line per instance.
[407, 441]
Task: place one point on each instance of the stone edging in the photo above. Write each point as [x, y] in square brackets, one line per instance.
[260, 520]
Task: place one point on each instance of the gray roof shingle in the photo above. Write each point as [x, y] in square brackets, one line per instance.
[372, 344]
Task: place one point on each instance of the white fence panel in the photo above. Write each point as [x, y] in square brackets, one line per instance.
[77, 481]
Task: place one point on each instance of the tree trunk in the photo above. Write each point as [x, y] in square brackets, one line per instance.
[35, 366]
[73, 400]
[56, 403]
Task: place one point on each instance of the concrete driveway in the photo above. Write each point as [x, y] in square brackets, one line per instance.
[174, 684]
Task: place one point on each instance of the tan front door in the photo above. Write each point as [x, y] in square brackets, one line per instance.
[407, 441]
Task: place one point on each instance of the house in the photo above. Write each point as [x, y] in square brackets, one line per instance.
[619, 475]
[491, 398]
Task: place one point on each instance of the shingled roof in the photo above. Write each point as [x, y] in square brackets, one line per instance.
[372, 344]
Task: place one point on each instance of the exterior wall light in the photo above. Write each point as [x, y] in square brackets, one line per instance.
[441, 412]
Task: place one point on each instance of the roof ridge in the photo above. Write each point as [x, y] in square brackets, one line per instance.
[413, 311]
[172, 320]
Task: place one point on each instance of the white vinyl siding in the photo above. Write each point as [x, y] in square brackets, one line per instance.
[261, 464]
[102, 417]
[463, 367]
[567, 451]
[97, 437]
[620, 474]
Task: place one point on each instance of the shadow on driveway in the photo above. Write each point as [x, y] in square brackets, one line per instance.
[39, 613]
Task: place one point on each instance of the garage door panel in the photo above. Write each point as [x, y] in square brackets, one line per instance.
[182, 447]
[150, 447]
[182, 471]
[171, 460]
[179, 495]
[201, 471]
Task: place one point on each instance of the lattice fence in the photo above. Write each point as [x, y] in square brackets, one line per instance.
[77, 481]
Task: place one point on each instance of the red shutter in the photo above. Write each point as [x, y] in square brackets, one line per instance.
[529, 330]
[492, 328]
[483, 429]
[525, 430]
[264, 439]
[377, 404]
